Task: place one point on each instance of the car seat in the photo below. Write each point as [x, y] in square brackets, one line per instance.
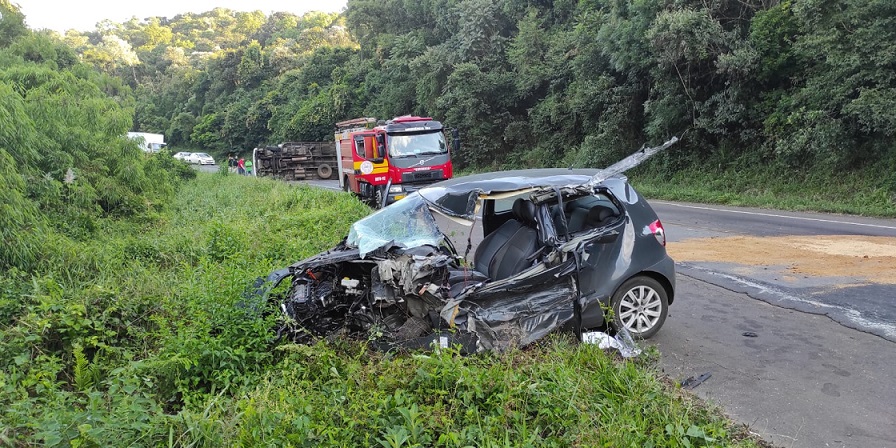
[599, 216]
[581, 218]
[505, 251]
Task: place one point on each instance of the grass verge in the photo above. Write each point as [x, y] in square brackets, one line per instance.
[869, 193]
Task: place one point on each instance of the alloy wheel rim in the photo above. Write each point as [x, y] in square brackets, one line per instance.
[640, 309]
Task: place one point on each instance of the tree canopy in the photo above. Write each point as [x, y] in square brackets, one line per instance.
[529, 83]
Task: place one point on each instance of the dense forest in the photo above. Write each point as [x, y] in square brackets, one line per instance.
[807, 84]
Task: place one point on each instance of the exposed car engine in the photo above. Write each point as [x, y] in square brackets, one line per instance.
[354, 298]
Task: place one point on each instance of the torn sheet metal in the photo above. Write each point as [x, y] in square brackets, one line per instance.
[630, 162]
[516, 315]
[414, 274]
[404, 297]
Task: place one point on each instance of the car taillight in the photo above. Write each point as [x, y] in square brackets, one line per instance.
[656, 228]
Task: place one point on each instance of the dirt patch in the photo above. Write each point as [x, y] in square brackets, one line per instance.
[867, 257]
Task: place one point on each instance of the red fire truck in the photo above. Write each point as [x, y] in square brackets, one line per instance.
[383, 162]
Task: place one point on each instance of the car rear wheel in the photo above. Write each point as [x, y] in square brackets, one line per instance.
[641, 306]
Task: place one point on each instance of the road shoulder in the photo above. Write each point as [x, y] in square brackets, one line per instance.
[801, 381]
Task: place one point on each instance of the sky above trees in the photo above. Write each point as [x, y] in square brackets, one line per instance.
[61, 15]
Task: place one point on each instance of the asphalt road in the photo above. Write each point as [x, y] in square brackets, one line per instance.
[859, 303]
[804, 365]
[805, 361]
[698, 219]
[207, 168]
[803, 380]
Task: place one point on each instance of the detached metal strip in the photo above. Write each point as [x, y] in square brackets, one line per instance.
[629, 162]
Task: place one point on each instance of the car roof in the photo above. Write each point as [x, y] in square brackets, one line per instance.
[520, 179]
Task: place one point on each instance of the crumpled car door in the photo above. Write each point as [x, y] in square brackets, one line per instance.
[524, 308]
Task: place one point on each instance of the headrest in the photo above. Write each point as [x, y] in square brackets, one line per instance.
[524, 210]
[598, 214]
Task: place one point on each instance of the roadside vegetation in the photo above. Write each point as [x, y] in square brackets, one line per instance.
[139, 337]
[869, 192]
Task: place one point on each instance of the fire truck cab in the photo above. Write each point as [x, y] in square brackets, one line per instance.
[383, 162]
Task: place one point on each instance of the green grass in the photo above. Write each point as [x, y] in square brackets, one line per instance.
[134, 336]
[558, 393]
[869, 193]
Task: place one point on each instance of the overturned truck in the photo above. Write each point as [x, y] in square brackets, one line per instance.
[541, 250]
[296, 160]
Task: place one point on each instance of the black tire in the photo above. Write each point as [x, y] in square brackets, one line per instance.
[345, 186]
[324, 171]
[641, 305]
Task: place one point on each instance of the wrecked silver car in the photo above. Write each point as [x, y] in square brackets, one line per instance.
[489, 261]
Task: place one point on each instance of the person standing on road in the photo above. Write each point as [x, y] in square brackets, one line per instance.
[241, 166]
[231, 163]
[248, 167]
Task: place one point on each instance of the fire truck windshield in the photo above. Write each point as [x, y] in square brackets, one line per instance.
[407, 145]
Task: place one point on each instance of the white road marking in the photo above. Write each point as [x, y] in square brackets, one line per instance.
[853, 315]
[743, 212]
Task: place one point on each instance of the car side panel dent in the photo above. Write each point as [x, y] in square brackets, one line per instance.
[515, 313]
[509, 317]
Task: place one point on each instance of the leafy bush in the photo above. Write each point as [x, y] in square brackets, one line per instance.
[142, 318]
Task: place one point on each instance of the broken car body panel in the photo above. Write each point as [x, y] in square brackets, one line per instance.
[540, 250]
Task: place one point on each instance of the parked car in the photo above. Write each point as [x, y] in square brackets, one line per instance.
[181, 155]
[488, 261]
[200, 158]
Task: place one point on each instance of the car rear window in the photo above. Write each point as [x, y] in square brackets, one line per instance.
[583, 213]
[588, 202]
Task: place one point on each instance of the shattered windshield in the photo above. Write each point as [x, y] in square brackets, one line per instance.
[406, 223]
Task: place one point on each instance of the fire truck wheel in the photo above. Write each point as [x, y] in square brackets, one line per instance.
[324, 171]
[345, 187]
